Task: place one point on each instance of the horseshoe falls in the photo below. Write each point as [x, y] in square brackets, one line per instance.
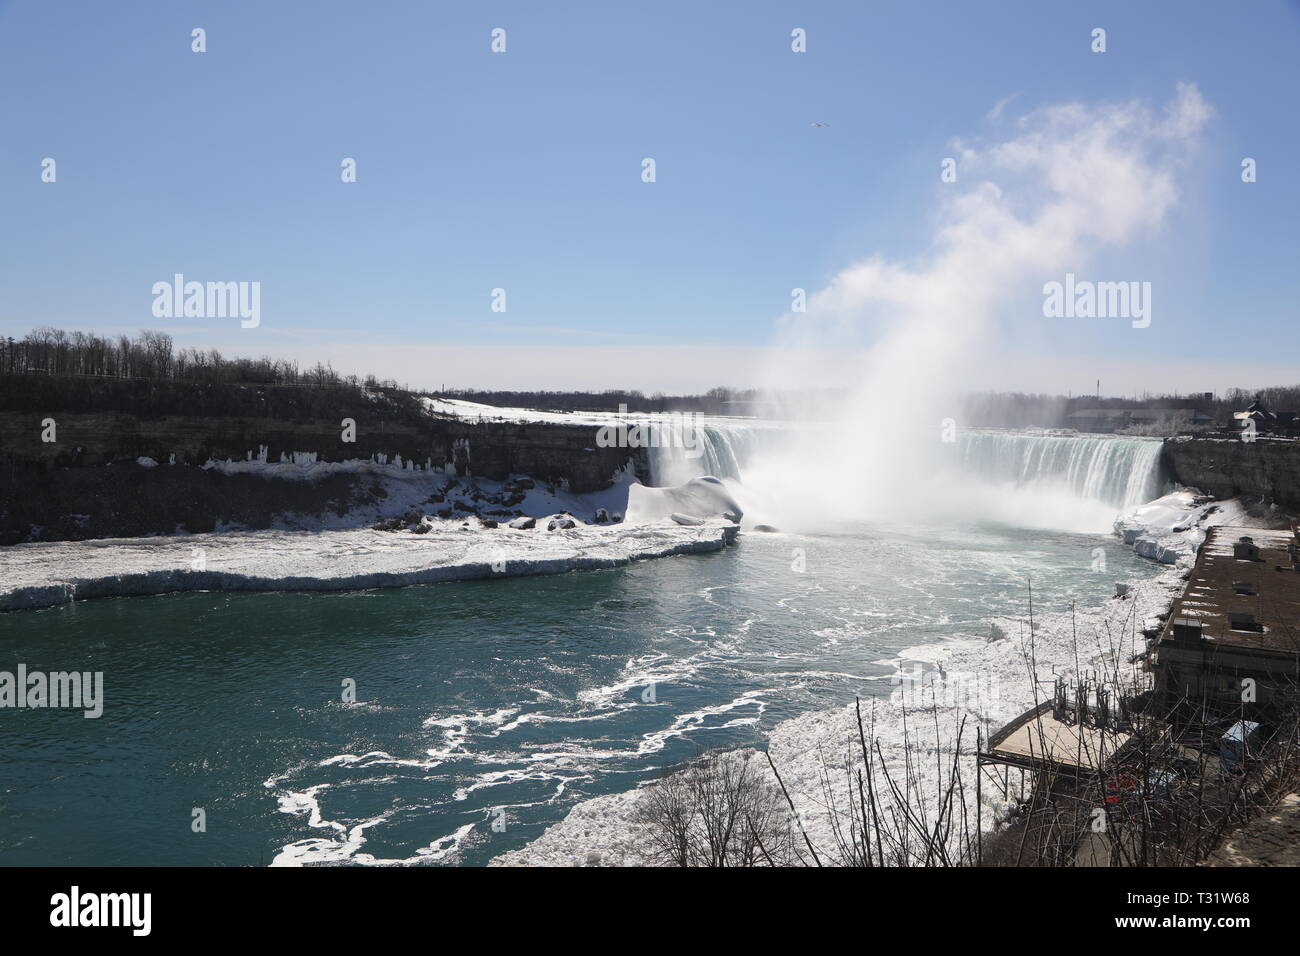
[1113, 471]
[1019, 478]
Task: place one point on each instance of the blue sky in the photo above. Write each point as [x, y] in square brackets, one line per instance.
[522, 171]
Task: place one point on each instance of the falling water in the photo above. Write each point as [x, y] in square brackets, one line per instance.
[1027, 479]
[684, 449]
[1114, 471]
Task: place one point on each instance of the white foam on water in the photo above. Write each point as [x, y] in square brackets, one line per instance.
[983, 683]
[346, 845]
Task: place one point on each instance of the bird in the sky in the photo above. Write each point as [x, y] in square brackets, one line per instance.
[819, 124]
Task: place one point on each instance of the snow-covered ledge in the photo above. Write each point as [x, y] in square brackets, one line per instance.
[43, 575]
[1171, 528]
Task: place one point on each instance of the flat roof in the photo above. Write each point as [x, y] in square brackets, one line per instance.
[1210, 597]
[1037, 738]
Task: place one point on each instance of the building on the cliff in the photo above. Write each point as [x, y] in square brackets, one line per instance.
[1266, 420]
[1231, 645]
[1114, 419]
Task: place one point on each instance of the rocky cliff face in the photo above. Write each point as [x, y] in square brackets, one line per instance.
[1267, 469]
[80, 473]
[546, 451]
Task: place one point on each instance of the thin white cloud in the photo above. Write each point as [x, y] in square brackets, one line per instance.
[996, 112]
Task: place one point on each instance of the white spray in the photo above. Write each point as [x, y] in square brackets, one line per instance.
[1073, 180]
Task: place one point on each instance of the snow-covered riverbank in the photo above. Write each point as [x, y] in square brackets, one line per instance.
[42, 575]
[1171, 528]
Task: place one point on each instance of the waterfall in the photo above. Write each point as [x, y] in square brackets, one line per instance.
[683, 449]
[1114, 471]
[814, 477]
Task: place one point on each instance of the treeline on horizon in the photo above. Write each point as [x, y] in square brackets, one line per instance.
[198, 378]
[153, 357]
[50, 369]
[1041, 410]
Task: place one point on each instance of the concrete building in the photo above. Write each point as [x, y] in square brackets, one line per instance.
[1231, 645]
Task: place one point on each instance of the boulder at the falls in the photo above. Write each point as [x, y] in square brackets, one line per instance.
[704, 497]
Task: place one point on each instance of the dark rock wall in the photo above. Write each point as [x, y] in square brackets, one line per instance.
[546, 451]
[549, 452]
[1268, 469]
[90, 470]
[127, 501]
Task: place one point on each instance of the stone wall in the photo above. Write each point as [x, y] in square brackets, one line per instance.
[1267, 469]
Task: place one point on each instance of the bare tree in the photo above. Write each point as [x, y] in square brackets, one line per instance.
[720, 810]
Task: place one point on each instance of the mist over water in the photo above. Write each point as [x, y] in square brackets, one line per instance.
[1072, 483]
[1068, 183]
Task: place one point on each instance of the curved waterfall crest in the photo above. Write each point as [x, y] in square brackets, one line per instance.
[1117, 471]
